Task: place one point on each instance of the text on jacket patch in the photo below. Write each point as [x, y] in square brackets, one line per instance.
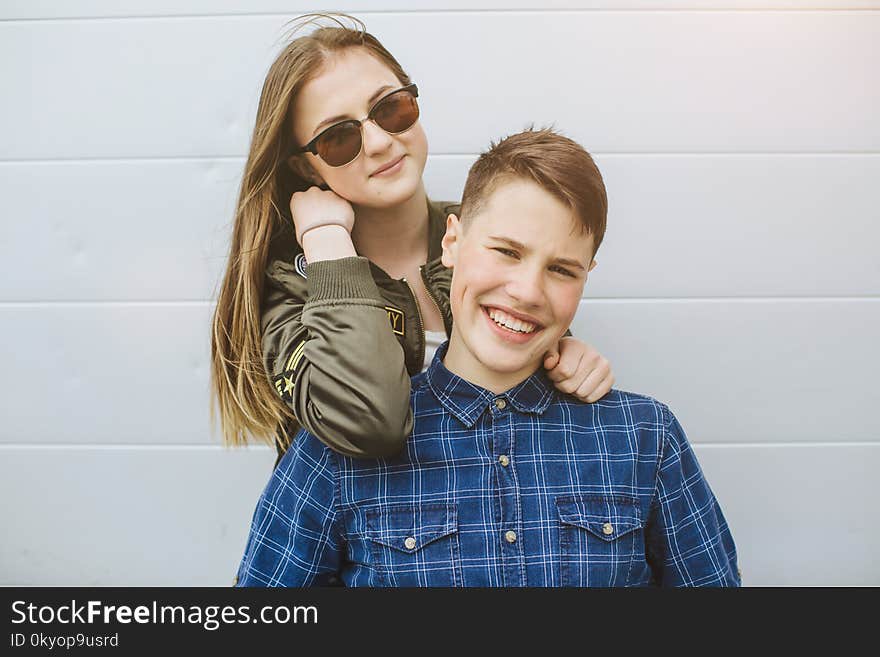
[396, 319]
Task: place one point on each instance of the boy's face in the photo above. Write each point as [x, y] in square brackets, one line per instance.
[519, 273]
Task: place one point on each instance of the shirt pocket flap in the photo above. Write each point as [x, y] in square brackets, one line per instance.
[409, 528]
[607, 518]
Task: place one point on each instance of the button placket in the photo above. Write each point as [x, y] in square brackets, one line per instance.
[503, 420]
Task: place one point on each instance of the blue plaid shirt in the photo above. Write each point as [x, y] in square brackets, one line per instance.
[526, 488]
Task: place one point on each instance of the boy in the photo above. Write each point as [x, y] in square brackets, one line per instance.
[504, 481]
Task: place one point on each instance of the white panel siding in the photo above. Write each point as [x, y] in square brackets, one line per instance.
[679, 226]
[779, 498]
[726, 226]
[733, 371]
[619, 81]
[738, 282]
[123, 373]
[180, 516]
[747, 371]
[34, 9]
[165, 87]
[88, 516]
[116, 230]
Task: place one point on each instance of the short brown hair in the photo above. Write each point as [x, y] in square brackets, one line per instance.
[556, 163]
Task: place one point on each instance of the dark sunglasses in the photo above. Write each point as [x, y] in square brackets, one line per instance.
[342, 142]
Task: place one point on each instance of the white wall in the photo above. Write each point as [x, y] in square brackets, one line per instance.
[738, 282]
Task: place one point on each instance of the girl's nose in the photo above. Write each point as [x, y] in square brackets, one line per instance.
[376, 140]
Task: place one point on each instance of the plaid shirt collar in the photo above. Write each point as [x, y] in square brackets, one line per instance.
[467, 402]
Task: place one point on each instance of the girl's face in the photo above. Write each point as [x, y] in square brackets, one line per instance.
[388, 170]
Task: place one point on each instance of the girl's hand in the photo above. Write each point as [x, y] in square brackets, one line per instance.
[578, 369]
[316, 207]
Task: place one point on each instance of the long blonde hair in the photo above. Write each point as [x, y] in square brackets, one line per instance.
[243, 398]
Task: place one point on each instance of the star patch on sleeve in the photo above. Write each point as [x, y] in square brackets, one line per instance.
[284, 382]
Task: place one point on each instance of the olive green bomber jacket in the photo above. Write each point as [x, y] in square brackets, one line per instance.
[341, 339]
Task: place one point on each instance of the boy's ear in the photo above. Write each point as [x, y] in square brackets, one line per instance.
[300, 167]
[590, 268]
[450, 241]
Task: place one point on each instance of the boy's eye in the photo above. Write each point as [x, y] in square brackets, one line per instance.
[562, 270]
[507, 252]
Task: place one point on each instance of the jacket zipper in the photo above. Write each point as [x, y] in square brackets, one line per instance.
[433, 298]
[415, 299]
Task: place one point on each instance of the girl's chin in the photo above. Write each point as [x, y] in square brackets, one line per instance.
[388, 196]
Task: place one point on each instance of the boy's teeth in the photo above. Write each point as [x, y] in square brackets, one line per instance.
[502, 318]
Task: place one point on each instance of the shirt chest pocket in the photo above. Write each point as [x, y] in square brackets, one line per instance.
[415, 545]
[601, 540]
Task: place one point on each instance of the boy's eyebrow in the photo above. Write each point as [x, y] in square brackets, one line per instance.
[522, 247]
[342, 117]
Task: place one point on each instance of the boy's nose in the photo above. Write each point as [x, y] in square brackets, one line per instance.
[527, 288]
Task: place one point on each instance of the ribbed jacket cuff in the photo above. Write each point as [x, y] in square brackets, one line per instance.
[345, 278]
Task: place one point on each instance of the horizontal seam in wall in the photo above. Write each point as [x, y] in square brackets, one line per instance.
[452, 12]
[29, 305]
[134, 447]
[261, 449]
[442, 156]
[739, 299]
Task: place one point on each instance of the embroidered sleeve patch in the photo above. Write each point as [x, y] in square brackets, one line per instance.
[284, 381]
[300, 265]
[396, 319]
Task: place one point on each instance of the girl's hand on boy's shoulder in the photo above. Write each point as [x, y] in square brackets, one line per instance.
[576, 368]
[318, 207]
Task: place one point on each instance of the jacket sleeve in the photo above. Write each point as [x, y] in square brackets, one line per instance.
[688, 541]
[332, 357]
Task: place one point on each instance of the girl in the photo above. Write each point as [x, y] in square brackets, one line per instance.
[334, 294]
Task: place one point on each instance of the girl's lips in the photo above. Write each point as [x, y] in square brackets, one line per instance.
[506, 334]
[390, 169]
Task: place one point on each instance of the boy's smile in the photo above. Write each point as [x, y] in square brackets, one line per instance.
[520, 264]
[513, 326]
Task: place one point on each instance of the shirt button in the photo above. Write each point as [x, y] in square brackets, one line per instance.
[410, 542]
[503, 460]
[500, 404]
[235, 581]
[510, 536]
[607, 529]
